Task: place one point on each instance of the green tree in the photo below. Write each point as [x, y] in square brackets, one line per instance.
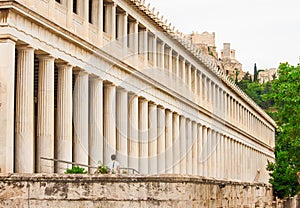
[286, 96]
[255, 77]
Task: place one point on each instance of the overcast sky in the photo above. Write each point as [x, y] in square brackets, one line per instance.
[265, 32]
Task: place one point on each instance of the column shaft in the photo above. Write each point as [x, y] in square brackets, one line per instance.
[24, 118]
[200, 150]
[109, 119]
[161, 140]
[176, 144]
[81, 118]
[95, 121]
[189, 150]
[183, 144]
[122, 127]
[143, 136]
[133, 133]
[45, 121]
[194, 148]
[7, 85]
[152, 138]
[169, 142]
[63, 141]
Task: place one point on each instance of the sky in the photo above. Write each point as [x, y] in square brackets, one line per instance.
[265, 32]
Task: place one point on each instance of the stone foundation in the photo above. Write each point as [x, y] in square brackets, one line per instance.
[76, 191]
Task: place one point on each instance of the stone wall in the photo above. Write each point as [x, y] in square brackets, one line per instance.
[44, 190]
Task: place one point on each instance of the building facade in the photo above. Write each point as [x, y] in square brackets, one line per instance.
[232, 67]
[267, 75]
[81, 80]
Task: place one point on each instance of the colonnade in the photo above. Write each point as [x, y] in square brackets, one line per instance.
[57, 109]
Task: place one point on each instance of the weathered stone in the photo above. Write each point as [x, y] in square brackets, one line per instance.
[54, 190]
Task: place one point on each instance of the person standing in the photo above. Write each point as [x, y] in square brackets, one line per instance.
[114, 165]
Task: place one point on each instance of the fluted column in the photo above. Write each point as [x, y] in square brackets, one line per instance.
[133, 37]
[169, 142]
[109, 119]
[161, 139]
[194, 148]
[122, 28]
[170, 61]
[183, 141]
[189, 77]
[110, 26]
[200, 150]
[81, 118]
[162, 56]
[122, 127]
[195, 85]
[45, 121]
[63, 141]
[183, 72]
[189, 150]
[200, 89]
[99, 17]
[214, 150]
[176, 144]
[177, 71]
[205, 151]
[154, 51]
[152, 138]
[133, 131]
[69, 14]
[145, 46]
[95, 120]
[143, 136]
[7, 85]
[24, 129]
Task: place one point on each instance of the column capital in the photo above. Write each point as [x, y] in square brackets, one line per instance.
[95, 77]
[161, 107]
[63, 64]
[45, 57]
[79, 71]
[121, 89]
[7, 37]
[24, 47]
[142, 99]
[167, 109]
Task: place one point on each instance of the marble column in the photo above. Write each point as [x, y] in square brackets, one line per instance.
[176, 144]
[195, 87]
[81, 118]
[200, 150]
[45, 120]
[183, 144]
[110, 17]
[69, 14]
[133, 131]
[161, 139]
[204, 157]
[122, 28]
[145, 46]
[122, 127]
[152, 138]
[95, 121]
[213, 160]
[154, 51]
[63, 141]
[99, 20]
[85, 9]
[143, 136]
[194, 148]
[133, 38]
[183, 72]
[170, 61]
[109, 119]
[162, 56]
[189, 77]
[177, 70]
[226, 158]
[169, 142]
[189, 150]
[7, 85]
[24, 118]
[200, 88]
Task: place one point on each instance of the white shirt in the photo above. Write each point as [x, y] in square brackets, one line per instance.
[113, 166]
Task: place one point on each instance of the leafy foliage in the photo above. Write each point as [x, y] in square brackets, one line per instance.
[76, 170]
[281, 100]
[286, 95]
[102, 169]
